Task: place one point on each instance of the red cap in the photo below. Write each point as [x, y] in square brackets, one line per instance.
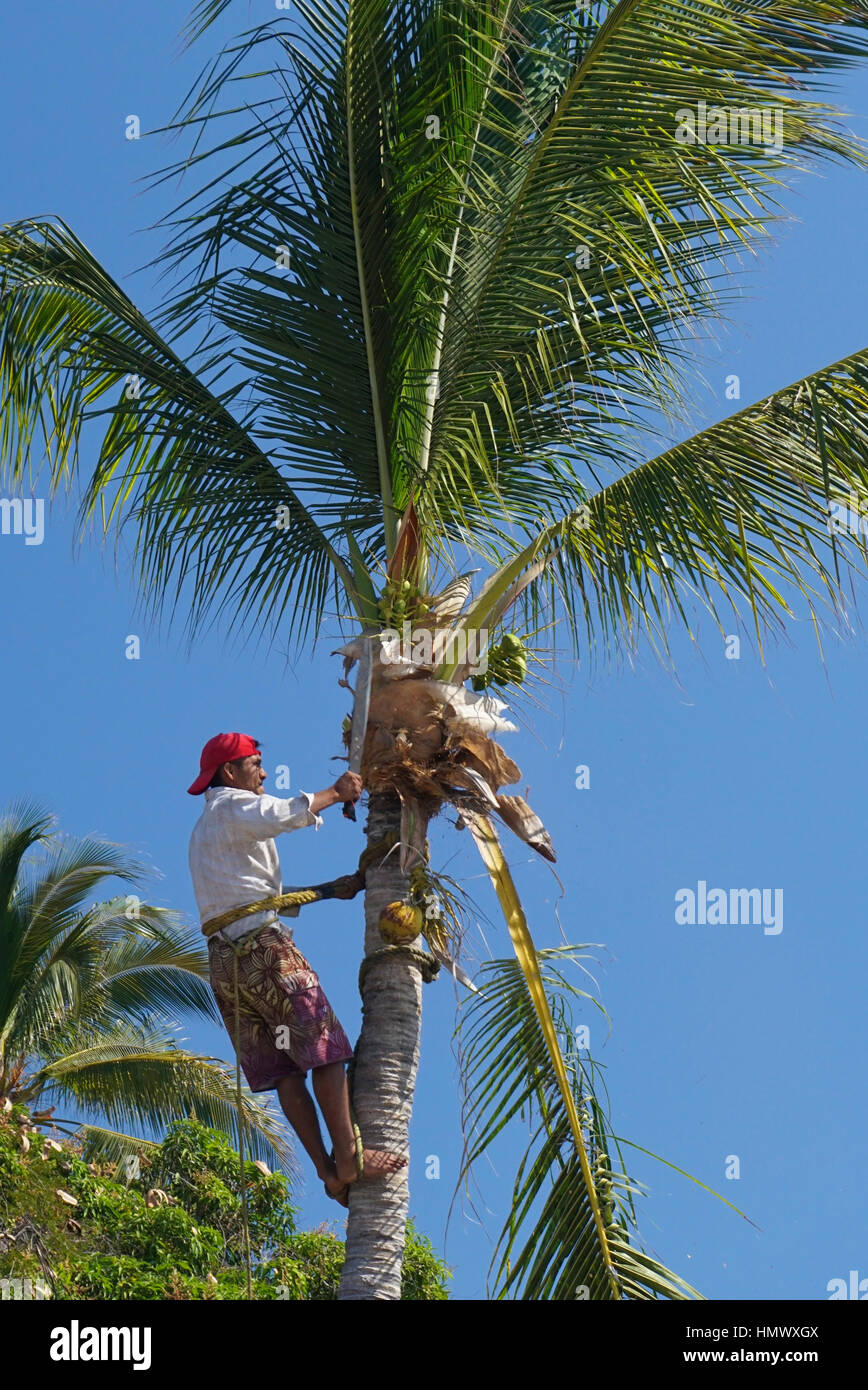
[223, 748]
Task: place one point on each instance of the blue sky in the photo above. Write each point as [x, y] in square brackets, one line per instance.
[725, 1040]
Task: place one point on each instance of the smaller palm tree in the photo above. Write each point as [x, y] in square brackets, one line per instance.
[89, 997]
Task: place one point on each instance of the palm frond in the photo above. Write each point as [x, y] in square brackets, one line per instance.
[23, 825]
[173, 457]
[493, 858]
[431, 332]
[48, 949]
[292, 256]
[205, 13]
[487, 352]
[570, 1232]
[748, 516]
[154, 963]
[544, 348]
[111, 1145]
[137, 1076]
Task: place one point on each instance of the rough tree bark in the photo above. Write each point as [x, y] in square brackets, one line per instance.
[384, 1081]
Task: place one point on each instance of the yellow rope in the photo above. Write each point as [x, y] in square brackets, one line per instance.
[342, 887]
[367, 856]
[281, 900]
[428, 965]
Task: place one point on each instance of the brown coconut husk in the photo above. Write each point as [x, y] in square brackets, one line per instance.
[487, 758]
[410, 749]
[416, 748]
[405, 739]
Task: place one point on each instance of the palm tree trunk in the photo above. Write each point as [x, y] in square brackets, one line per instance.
[384, 1081]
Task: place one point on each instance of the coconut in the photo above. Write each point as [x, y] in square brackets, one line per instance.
[400, 922]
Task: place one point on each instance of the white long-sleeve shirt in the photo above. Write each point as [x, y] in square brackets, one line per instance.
[233, 857]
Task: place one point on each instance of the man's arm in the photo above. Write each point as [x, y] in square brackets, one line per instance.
[264, 817]
[348, 787]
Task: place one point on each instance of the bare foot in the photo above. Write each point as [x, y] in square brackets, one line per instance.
[334, 1186]
[377, 1163]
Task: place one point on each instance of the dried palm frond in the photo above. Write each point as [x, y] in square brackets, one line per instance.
[526, 824]
[449, 603]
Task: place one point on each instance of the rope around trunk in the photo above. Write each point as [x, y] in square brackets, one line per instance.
[428, 965]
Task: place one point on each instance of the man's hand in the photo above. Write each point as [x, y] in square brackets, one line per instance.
[348, 787]
[349, 886]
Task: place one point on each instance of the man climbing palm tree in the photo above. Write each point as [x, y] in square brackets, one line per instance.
[271, 1000]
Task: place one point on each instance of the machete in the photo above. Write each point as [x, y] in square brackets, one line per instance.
[360, 715]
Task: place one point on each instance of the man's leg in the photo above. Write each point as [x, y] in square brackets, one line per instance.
[295, 999]
[298, 1107]
[330, 1089]
[260, 1058]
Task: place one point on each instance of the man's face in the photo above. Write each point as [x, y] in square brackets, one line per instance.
[246, 775]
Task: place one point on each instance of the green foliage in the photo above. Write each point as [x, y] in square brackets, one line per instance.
[198, 1167]
[422, 1274]
[90, 991]
[11, 1167]
[316, 1259]
[174, 1231]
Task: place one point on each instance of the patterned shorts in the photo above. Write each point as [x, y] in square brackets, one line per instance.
[286, 1023]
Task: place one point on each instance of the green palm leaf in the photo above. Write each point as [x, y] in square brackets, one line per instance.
[155, 963]
[111, 1145]
[174, 457]
[570, 1230]
[87, 994]
[750, 513]
[136, 1075]
[433, 332]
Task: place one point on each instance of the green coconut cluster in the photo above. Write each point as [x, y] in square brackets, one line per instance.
[507, 663]
[399, 602]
